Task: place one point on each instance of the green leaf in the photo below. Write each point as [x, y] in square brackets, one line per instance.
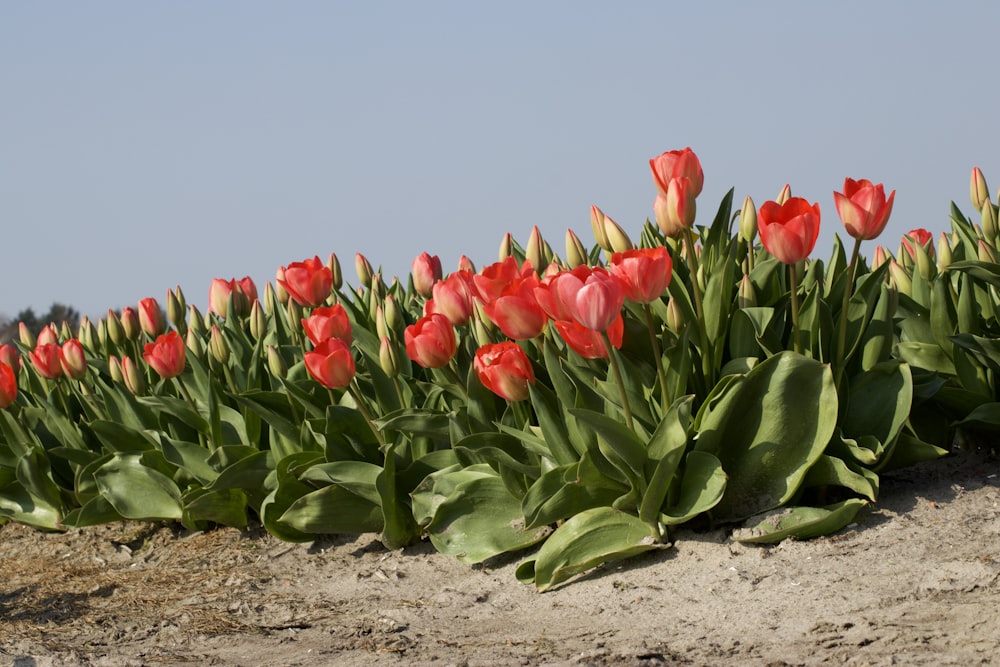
[137, 491]
[435, 488]
[226, 507]
[800, 522]
[665, 449]
[832, 471]
[506, 450]
[398, 526]
[567, 490]
[879, 402]
[552, 419]
[333, 510]
[593, 537]
[701, 488]
[358, 477]
[621, 446]
[928, 356]
[287, 490]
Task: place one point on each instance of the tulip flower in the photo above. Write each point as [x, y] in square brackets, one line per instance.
[453, 298]
[166, 355]
[515, 311]
[979, 192]
[431, 341]
[45, 359]
[644, 273]
[331, 364]
[675, 210]
[863, 208]
[243, 293]
[8, 385]
[789, 231]
[364, 269]
[590, 297]
[491, 281]
[48, 335]
[133, 378]
[465, 264]
[426, 271]
[588, 343]
[151, 317]
[10, 356]
[308, 282]
[130, 323]
[25, 335]
[72, 360]
[328, 322]
[677, 164]
[504, 369]
[922, 237]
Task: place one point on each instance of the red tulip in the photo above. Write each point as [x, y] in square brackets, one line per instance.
[166, 355]
[588, 343]
[644, 273]
[151, 317]
[591, 297]
[516, 311]
[426, 271]
[331, 363]
[788, 231]
[504, 369]
[8, 385]
[453, 298]
[921, 236]
[675, 209]
[308, 282]
[328, 322]
[431, 341]
[72, 360]
[10, 356]
[677, 164]
[243, 291]
[863, 208]
[45, 359]
[491, 281]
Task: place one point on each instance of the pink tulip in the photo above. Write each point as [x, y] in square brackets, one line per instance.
[675, 209]
[863, 208]
[504, 369]
[151, 317]
[72, 360]
[308, 282]
[328, 322]
[677, 164]
[453, 298]
[426, 271]
[431, 341]
[516, 311]
[643, 273]
[45, 359]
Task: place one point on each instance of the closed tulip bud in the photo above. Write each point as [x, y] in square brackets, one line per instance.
[989, 218]
[943, 253]
[576, 254]
[130, 323]
[534, 252]
[195, 345]
[338, 275]
[65, 333]
[466, 264]
[115, 332]
[294, 311]
[675, 210]
[176, 309]
[102, 334]
[47, 336]
[218, 346]
[617, 238]
[923, 262]
[480, 332]
[784, 195]
[10, 356]
[364, 269]
[597, 219]
[258, 321]
[425, 271]
[115, 370]
[506, 247]
[747, 297]
[196, 321]
[381, 329]
[72, 359]
[748, 220]
[271, 300]
[25, 336]
[279, 291]
[151, 317]
[133, 378]
[978, 192]
[388, 357]
[675, 317]
[986, 252]
[899, 278]
[276, 363]
[393, 317]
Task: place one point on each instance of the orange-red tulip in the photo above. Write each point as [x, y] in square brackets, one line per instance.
[643, 273]
[166, 355]
[515, 310]
[8, 385]
[453, 297]
[431, 341]
[675, 209]
[45, 359]
[308, 282]
[921, 236]
[863, 208]
[331, 363]
[328, 322]
[504, 369]
[588, 343]
[426, 271]
[789, 231]
[72, 360]
[151, 317]
[10, 356]
[677, 164]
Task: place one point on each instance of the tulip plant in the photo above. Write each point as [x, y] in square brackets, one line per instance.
[577, 410]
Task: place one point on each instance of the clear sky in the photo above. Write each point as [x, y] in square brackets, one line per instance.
[149, 144]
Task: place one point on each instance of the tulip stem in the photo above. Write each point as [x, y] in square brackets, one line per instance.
[658, 353]
[842, 330]
[796, 339]
[706, 353]
[362, 409]
[613, 359]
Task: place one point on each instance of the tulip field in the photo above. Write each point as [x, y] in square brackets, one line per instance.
[572, 409]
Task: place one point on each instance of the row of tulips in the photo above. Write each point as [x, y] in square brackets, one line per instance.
[704, 373]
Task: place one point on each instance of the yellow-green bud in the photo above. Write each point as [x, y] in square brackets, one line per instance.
[617, 238]
[196, 321]
[338, 275]
[576, 254]
[218, 346]
[271, 300]
[388, 357]
[102, 334]
[25, 336]
[923, 261]
[534, 252]
[115, 369]
[133, 377]
[280, 292]
[506, 247]
[294, 312]
[176, 309]
[381, 328]
[115, 332]
[989, 218]
[784, 195]
[130, 323]
[675, 316]
[748, 221]
[276, 363]
[393, 318]
[900, 279]
[747, 297]
[87, 335]
[364, 269]
[943, 253]
[986, 252]
[481, 332]
[258, 321]
[979, 193]
[194, 344]
[597, 218]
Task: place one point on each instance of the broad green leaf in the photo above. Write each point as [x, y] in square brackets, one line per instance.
[398, 525]
[701, 488]
[226, 507]
[552, 419]
[137, 491]
[287, 490]
[910, 450]
[358, 477]
[800, 522]
[333, 510]
[621, 446]
[94, 512]
[879, 402]
[438, 486]
[928, 356]
[832, 471]
[665, 449]
[506, 450]
[567, 490]
[595, 536]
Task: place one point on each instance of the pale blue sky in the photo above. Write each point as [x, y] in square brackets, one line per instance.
[149, 144]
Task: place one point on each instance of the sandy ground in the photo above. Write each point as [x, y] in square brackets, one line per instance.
[916, 581]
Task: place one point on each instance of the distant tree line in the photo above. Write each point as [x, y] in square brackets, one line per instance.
[58, 313]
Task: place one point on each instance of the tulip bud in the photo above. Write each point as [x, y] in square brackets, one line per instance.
[276, 363]
[533, 251]
[271, 300]
[133, 377]
[748, 221]
[47, 336]
[130, 323]
[978, 192]
[194, 344]
[115, 331]
[338, 276]
[617, 238]
[747, 297]
[72, 359]
[10, 356]
[381, 330]
[465, 264]
[294, 311]
[24, 334]
[87, 335]
[388, 357]
[899, 279]
[151, 317]
[176, 309]
[258, 321]
[576, 254]
[64, 331]
[506, 246]
[425, 271]
[784, 195]
[597, 218]
[102, 334]
[393, 318]
[989, 219]
[879, 258]
[986, 252]
[280, 292]
[218, 346]
[196, 322]
[924, 265]
[943, 253]
[480, 332]
[115, 369]
[364, 269]
[675, 317]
